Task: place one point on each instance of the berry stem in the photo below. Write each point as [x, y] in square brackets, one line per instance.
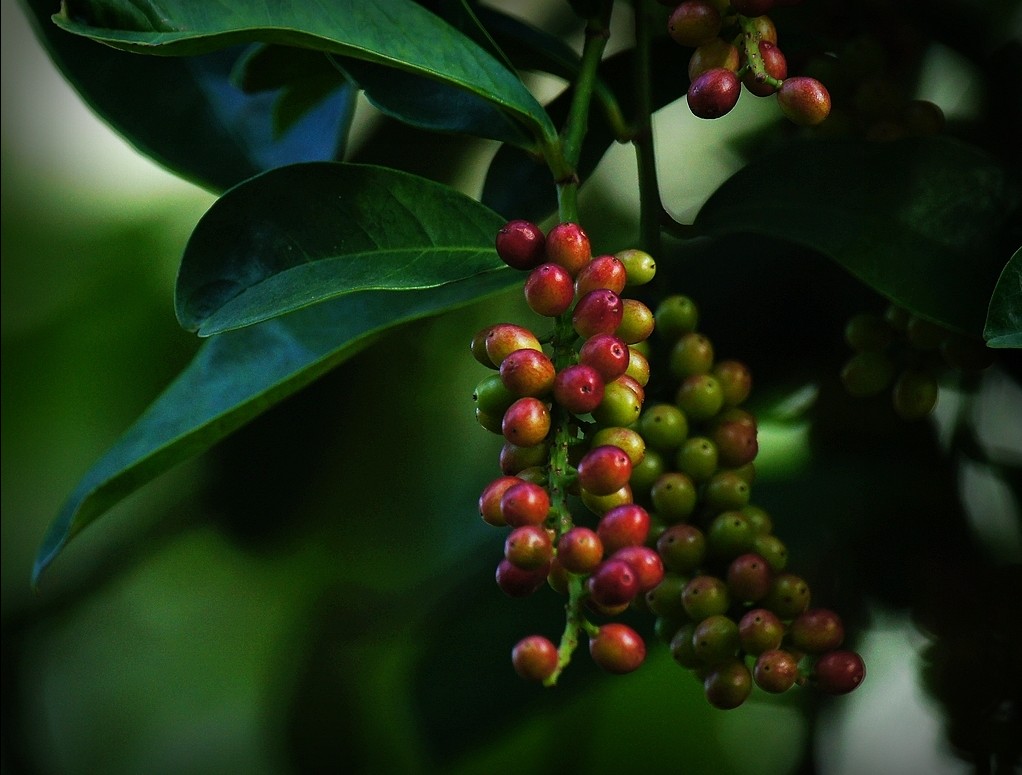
[574, 623]
[749, 43]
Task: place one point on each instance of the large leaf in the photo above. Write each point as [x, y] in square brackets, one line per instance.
[186, 114]
[921, 221]
[1004, 318]
[303, 234]
[236, 376]
[397, 33]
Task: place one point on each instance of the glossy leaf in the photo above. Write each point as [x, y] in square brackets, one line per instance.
[186, 113]
[920, 221]
[398, 34]
[1004, 318]
[303, 234]
[236, 376]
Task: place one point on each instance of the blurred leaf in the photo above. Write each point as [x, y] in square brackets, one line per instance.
[919, 221]
[304, 234]
[185, 113]
[1004, 319]
[427, 45]
[237, 375]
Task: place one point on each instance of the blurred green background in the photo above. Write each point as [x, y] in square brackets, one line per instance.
[316, 595]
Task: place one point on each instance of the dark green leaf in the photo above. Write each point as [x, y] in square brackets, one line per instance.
[427, 104]
[303, 234]
[186, 114]
[920, 221]
[398, 34]
[236, 376]
[1004, 318]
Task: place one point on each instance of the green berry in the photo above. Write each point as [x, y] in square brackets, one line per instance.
[620, 405]
[694, 22]
[697, 458]
[492, 397]
[771, 549]
[682, 547]
[728, 685]
[675, 316]
[646, 472]
[735, 380]
[760, 630]
[867, 373]
[868, 332]
[700, 397]
[681, 647]
[728, 535]
[705, 596]
[623, 438]
[664, 427]
[715, 639]
[639, 265]
[691, 354]
[673, 496]
[665, 598]
[915, 394]
[788, 597]
[726, 490]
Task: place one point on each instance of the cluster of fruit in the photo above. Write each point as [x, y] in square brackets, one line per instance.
[736, 44]
[909, 352]
[665, 484]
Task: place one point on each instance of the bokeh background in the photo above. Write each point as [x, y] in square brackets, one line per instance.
[315, 594]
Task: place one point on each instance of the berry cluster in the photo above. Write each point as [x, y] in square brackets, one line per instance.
[736, 44]
[911, 353]
[619, 503]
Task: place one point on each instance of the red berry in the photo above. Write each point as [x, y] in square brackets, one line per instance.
[728, 685]
[816, 631]
[526, 422]
[578, 388]
[714, 93]
[549, 290]
[568, 245]
[521, 245]
[534, 658]
[525, 503]
[774, 63]
[529, 547]
[804, 101]
[604, 470]
[776, 671]
[607, 272]
[624, 525]
[607, 354]
[760, 630]
[645, 562]
[617, 648]
[839, 672]
[749, 577]
[694, 22]
[598, 312]
[613, 583]
[504, 338]
[489, 499]
[580, 550]
[528, 373]
[518, 582]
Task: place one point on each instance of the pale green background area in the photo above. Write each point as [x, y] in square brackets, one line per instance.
[157, 644]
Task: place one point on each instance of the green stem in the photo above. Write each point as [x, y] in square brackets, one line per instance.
[749, 42]
[574, 624]
[651, 209]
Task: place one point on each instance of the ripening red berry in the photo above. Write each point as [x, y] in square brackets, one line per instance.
[645, 562]
[617, 648]
[776, 671]
[714, 93]
[504, 338]
[613, 583]
[524, 503]
[606, 272]
[549, 290]
[489, 499]
[521, 245]
[760, 630]
[534, 658]
[607, 354]
[774, 63]
[694, 22]
[529, 547]
[578, 388]
[749, 577]
[816, 631]
[526, 422]
[518, 582]
[624, 525]
[603, 470]
[598, 312]
[839, 672]
[580, 550]
[804, 101]
[568, 245]
[528, 373]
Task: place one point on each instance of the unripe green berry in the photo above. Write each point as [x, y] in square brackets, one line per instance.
[639, 266]
[638, 366]
[700, 397]
[694, 22]
[868, 332]
[492, 396]
[726, 490]
[646, 472]
[601, 504]
[673, 496]
[705, 596]
[478, 348]
[665, 598]
[760, 630]
[681, 647]
[682, 547]
[715, 639]
[491, 422]
[923, 334]
[691, 354]
[624, 438]
[759, 518]
[915, 394]
[771, 549]
[728, 535]
[636, 322]
[620, 405]
[515, 459]
[697, 458]
[664, 427]
[675, 316]
[867, 373]
[788, 597]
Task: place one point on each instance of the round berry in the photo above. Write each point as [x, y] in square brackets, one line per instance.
[492, 397]
[681, 647]
[665, 598]
[749, 577]
[675, 316]
[515, 459]
[700, 397]
[604, 470]
[606, 353]
[534, 658]
[639, 266]
[568, 245]
[816, 631]
[524, 503]
[694, 22]
[490, 422]
[774, 65]
[674, 496]
[714, 53]
[623, 525]
[923, 334]
[915, 394]
[623, 438]
[714, 93]
[636, 321]
[839, 672]
[580, 550]
[526, 422]
[759, 518]
[598, 312]
[646, 472]
[489, 500]
[549, 290]
[715, 639]
[645, 562]
[529, 547]
[519, 582]
[867, 373]
[620, 406]
[736, 443]
[771, 549]
[775, 671]
[504, 338]
[804, 101]
[613, 583]
[579, 388]
[521, 245]
[528, 373]
[760, 630]
[682, 548]
[868, 332]
[617, 648]
[664, 427]
[727, 490]
[638, 366]
[603, 272]
[691, 354]
[705, 596]
[697, 458]
[601, 504]
[788, 596]
[735, 380]
[478, 347]
[728, 685]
